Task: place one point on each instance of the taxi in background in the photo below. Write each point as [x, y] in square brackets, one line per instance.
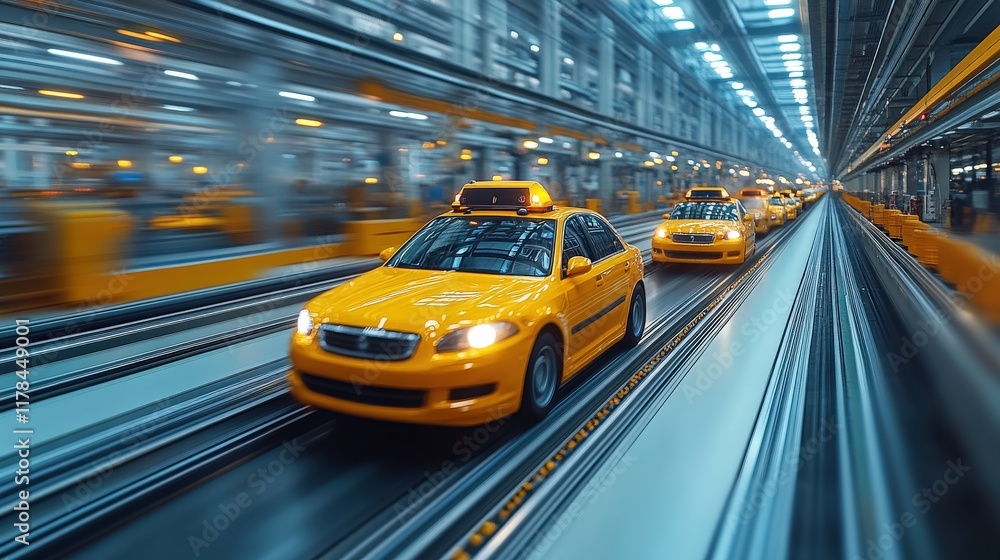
[790, 194]
[791, 209]
[483, 312]
[708, 227]
[765, 214]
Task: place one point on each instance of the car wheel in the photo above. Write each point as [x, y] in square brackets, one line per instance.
[542, 378]
[636, 323]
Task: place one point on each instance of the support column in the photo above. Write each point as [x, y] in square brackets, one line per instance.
[606, 66]
[492, 30]
[41, 171]
[941, 162]
[604, 180]
[463, 31]
[644, 97]
[11, 163]
[551, 53]
[252, 157]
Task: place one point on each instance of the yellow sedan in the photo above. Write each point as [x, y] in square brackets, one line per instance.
[485, 311]
[718, 231]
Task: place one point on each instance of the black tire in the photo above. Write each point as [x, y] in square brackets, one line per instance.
[635, 325]
[542, 379]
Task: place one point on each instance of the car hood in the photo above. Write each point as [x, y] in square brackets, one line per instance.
[423, 301]
[697, 226]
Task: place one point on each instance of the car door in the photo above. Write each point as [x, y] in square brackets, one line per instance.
[615, 274]
[749, 228]
[584, 294]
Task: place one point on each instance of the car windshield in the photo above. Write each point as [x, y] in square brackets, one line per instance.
[705, 211]
[490, 245]
[789, 202]
[776, 200]
[753, 203]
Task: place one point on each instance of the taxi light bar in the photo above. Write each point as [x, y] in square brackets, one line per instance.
[707, 193]
[520, 196]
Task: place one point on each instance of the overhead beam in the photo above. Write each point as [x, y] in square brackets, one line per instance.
[985, 55]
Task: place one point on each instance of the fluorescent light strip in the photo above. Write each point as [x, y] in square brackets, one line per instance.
[87, 57]
[179, 74]
[298, 96]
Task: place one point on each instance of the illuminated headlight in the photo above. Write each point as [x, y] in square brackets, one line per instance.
[304, 326]
[661, 233]
[733, 234]
[774, 217]
[479, 336]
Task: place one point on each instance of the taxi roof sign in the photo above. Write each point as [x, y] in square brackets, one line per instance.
[707, 193]
[503, 195]
[754, 192]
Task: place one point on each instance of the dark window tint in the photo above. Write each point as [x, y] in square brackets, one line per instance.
[575, 241]
[604, 240]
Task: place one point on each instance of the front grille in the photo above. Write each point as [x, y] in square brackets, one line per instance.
[694, 255]
[697, 238]
[365, 394]
[368, 343]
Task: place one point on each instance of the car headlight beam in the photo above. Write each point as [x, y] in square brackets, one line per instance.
[661, 233]
[305, 324]
[481, 336]
[476, 337]
[733, 234]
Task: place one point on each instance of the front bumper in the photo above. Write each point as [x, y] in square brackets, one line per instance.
[427, 388]
[726, 251]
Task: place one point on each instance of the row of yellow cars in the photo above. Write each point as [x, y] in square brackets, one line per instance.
[489, 308]
[711, 226]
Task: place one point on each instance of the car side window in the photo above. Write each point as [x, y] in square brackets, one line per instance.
[605, 241]
[574, 242]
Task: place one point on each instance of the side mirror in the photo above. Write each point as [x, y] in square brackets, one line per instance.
[577, 266]
[666, 215]
[387, 254]
[748, 218]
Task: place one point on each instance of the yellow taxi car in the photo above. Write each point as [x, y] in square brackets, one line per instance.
[790, 194]
[483, 312]
[765, 214]
[791, 210]
[708, 227]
